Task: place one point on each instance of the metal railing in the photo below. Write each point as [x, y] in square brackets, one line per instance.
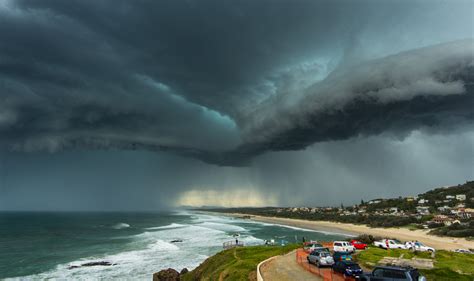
[232, 244]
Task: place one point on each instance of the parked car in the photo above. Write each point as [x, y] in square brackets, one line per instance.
[343, 246]
[386, 273]
[311, 246]
[463, 251]
[390, 244]
[320, 258]
[418, 246]
[348, 268]
[358, 245]
[342, 256]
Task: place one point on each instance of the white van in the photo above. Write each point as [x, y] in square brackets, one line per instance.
[343, 246]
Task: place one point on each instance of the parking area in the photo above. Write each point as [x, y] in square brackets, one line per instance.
[325, 273]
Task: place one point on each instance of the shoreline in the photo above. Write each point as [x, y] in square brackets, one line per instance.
[437, 242]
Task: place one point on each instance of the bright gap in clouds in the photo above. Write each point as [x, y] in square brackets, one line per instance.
[237, 197]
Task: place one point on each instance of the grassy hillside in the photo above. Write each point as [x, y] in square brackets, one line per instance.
[448, 265]
[235, 264]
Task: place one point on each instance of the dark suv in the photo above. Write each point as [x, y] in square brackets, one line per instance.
[393, 273]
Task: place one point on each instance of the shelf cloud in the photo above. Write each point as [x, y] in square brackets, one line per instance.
[229, 84]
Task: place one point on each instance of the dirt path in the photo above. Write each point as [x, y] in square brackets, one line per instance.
[285, 268]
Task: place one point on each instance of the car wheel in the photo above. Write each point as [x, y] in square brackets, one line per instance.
[318, 264]
[380, 246]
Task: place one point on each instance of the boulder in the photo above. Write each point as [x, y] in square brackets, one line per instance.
[166, 275]
[184, 271]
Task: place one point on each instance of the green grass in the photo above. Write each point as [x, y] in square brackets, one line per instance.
[448, 265]
[235, 264]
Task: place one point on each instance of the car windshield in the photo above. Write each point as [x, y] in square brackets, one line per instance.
[325, 254]
[419, 244]
[397, 241]
[353, 266]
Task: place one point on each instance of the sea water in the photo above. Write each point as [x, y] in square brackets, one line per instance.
[37, 246]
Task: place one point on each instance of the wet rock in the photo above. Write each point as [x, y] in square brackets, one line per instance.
[184, 271]
[166, 275]
[93, 263]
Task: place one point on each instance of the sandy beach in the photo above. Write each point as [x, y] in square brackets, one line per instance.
[437, 242]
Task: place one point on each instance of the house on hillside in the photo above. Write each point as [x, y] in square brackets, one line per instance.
[421, 210]
[450, 197]
[444, 209]
[423, 201]
[461, 197]
[462, 214]
[447, 221]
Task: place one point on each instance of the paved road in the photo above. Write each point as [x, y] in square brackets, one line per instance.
[285, 268]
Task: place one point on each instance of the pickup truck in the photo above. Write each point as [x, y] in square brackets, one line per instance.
[390, 273]
[390, 244]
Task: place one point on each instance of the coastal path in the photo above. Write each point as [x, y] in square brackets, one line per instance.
[286, 268]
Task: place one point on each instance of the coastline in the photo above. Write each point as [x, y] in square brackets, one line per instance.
[437, 242]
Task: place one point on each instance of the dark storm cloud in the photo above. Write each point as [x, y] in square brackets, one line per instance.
[224, 81]
[430, 88]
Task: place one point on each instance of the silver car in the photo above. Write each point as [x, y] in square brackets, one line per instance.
[320, 258]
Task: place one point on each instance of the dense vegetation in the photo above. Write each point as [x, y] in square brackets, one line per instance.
[370, 220]
[235, 264]
[455, 230]
[448, 265]
[441, 193]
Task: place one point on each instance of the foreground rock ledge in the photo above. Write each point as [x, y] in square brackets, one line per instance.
[169, 274]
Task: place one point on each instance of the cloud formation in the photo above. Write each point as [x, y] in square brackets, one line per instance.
[223, 82]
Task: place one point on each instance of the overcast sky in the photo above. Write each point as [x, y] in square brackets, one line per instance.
[145, 105]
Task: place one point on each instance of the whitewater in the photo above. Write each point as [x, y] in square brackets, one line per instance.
[136, 246]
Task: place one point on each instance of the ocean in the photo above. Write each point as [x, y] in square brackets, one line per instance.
[36, 246]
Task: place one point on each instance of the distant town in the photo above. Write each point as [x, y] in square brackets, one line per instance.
[447, 211]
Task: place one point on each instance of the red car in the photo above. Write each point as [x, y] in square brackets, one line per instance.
[358, 245]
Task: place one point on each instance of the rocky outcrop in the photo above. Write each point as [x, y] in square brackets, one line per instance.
[94, 263]
[167, 275]
[184, 271]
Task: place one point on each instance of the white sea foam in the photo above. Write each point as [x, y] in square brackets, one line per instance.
[153, 251]
[307, 229]
[222, 226]
[121, 225]
[173, 225]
